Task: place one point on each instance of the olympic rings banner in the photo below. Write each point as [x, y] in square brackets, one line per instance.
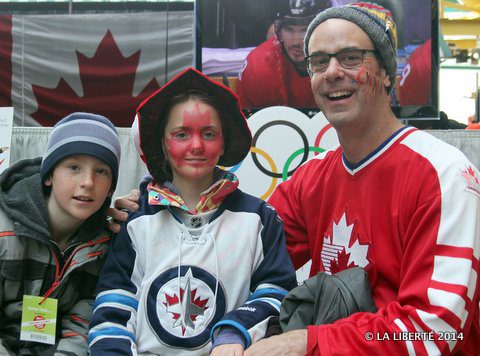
[283, 139]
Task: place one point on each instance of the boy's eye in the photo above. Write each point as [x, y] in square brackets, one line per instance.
[73, 167]
[103, 171]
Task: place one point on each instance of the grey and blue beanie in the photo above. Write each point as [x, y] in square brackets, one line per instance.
[372, 18]
[83, 133]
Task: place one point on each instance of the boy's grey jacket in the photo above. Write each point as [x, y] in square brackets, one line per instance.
[30, 263]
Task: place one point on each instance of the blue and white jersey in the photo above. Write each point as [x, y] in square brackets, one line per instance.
[173, 280]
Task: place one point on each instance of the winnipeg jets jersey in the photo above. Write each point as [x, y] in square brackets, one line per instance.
[172, 280]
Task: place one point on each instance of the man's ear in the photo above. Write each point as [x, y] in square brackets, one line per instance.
[386, 79]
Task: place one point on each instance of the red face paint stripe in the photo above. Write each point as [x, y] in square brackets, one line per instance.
[359, 77]
[196, 118]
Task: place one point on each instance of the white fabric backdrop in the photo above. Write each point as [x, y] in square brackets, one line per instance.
[30, 142]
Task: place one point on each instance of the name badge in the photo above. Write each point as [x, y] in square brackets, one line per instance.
[39, 320]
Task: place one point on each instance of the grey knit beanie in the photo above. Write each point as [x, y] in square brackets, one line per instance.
[83, 134]
[375, 20]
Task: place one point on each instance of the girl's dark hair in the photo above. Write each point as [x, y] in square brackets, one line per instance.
[197, 95]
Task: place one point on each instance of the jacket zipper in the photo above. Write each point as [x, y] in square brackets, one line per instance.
[61, 268]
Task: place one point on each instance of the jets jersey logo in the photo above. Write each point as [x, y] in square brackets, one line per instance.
[340, 251]
[181, 307]
[470, 175]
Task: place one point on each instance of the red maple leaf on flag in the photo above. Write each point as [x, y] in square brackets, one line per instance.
[107, 80]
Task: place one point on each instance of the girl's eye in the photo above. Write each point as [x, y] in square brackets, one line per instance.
[209, 135]
[180, 135]
[73, 167]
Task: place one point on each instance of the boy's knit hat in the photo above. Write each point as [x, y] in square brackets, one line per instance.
[375, 20]
[83, 134]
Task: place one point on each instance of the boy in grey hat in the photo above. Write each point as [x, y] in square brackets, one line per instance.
[53, 237]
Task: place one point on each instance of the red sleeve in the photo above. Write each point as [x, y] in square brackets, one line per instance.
[285, 199]
[416, 82]
[259, 83]
[246, 85]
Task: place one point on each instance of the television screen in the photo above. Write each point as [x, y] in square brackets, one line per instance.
[256, 48]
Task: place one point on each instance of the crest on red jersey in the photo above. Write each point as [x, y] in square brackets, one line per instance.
[342, 250]
[470, 175]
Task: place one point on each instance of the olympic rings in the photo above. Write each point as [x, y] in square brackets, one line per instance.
[320, 135]
[274, 123]
[269, 168]
[285, 174]
[272, 166]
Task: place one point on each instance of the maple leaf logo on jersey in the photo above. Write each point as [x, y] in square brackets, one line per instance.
[107, 81]
[339, 252]
[471, 178]
[185, 308]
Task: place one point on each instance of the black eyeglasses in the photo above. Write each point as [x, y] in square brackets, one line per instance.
[347, 58]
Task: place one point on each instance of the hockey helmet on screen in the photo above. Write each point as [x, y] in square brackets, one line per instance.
[298, 12]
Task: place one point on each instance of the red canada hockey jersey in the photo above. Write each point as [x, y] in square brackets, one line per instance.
[409, 213]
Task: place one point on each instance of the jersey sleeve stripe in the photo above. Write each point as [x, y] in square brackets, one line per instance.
[436, 324]
[464, 274]
[458, 305]
[408, 343]
[261, 292]
[430, 346]
[116, 299]
[452, 288]
[111, 331]
[454, 251]
[271, 301]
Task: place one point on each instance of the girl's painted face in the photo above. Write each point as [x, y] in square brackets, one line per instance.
[193, 140]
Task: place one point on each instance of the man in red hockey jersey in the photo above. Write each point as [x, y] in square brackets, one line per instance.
[394, 200]
[274, 73]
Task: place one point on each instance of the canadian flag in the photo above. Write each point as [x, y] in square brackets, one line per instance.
[53, 65]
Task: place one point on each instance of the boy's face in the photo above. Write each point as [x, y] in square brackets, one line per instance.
[80, 184]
